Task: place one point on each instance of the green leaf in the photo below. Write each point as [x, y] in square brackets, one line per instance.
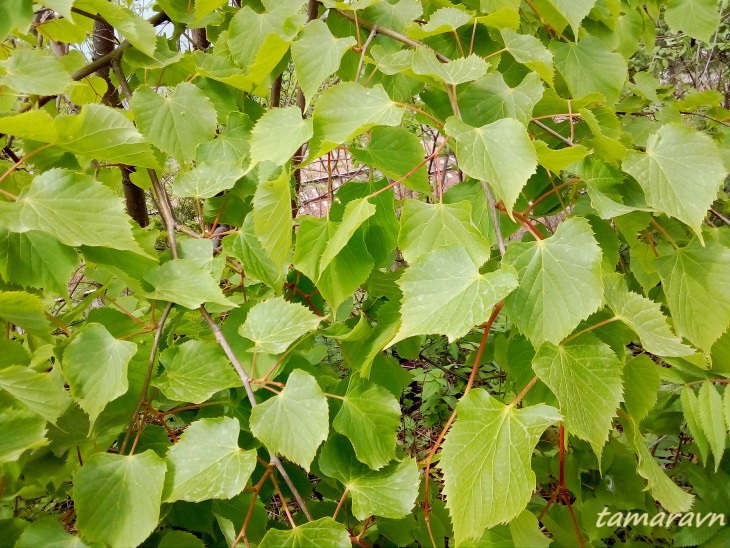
[585, 375]
[674, 155]
[441, 21]
[395, 152]
[588, 66]
[207, 179]
[696, 18]
[184, 282]
[324, 533]
[95, 366]
[317, 55]
[74, 208]
[130, 25]
[278, 135]
[495, 487]
[369, 417]
[574, 11]
[265, 37]
[33, 124]
[458, 71]
[425, 227]
[257, 264]
[499, 153]
[42, 393]
[645, 317]
[273, 325]
[295, 422]
[530, 52]
[272, 217]
[346, 110]
[712, 420]
[205, 7]
[490, 99]
[180, 539]
[558, 160]
[394, 16]
[691, 410]
[444, 293]
[175, 124]
[111, 505]
[350, 267]
[36, 259]
[641, 384]
[22, 430]
[389, 492]
[356, 213]
[49, 533]
[663, 489]
[207, 463]
[15, 14]
[194, 371]
[35, 72]
[560, 282]
[103, 133]
[24, 310]
[695, 279]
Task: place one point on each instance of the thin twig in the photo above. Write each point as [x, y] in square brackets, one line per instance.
[402, 38]
[148, 374]
[552, 132]
[373, 32]
[495, 218]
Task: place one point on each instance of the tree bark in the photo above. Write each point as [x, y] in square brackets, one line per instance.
[134, 197]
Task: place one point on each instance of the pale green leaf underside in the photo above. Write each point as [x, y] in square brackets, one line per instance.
[697, 279]
[111, 505]
[295, 422]
[95, 366]
[102, 133]
[317, 54]
[323, 533]
[499, 153]
[424, 227]
[486, 461]
[444, 293]
[273, 325]
[278, 135]
[74, 208]
[370, 417]
[530, 52]
[589, 66]
[346, 110]
[22, 430]
[42, 393]
[194, 371]
[585, 375]
[272, 217]
[175, 124]
[645, 317]
[207, 179]
[184, 282]
[696, 18]
[560, 282]
[458, 71]
[675, 155]
[34, 71]
[207, 463]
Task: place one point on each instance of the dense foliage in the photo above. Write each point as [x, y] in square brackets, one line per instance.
[511, 316]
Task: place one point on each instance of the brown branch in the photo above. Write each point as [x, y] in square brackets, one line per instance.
[392, 34]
